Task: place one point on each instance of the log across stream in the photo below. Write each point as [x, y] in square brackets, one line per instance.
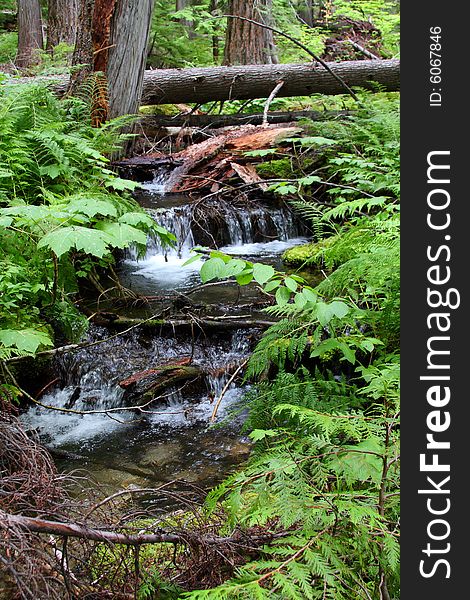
[177, 374]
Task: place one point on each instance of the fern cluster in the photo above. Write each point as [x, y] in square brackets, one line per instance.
[62, 212]
[324, 409]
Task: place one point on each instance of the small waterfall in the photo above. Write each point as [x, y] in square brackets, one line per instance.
[90, 377]
[158, 185]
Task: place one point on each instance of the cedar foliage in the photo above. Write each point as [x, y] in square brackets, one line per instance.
[324, 409]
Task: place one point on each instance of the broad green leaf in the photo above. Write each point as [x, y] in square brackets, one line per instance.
[6, 221]
[313, 141]
[63, 239]
[92, 207]
[309, 180]
[265, 152]
[262, 273]
[138, 218]
[340, 309]
[245, 277]
[122, 235]
[235, 266]
[290, 284]
[282, 296]
[272, 285]
[325, 312]
[122, 184]
[309, 294]
[212, 269]
[27, 340]
[300, 300]
[191, 260]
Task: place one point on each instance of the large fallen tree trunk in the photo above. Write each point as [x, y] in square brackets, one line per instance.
[173, 86]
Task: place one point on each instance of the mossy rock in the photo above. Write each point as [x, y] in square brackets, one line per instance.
[276, 169]
[298, 255]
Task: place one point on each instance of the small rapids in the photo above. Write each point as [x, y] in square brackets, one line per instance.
[171, 438]
[256, 232]
[90, 384]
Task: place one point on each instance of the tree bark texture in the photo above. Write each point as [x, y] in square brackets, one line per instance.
[205, 84]
[30, 37]
[247, 43]
[112, 39]
[130, 28]
[61, 23]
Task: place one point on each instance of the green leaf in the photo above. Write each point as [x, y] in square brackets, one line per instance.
[137, 218]
[212, 269]
[290, 284]
[191, 260]
[309, 294]
[265, 152]
[5, 221]
[262, 273]
[63, 239]
[313, 141]
[300, 300]
[122, 184]
[261, 434]
[92, 207]
[235, 266]
[309, 180]
[245, 277]
[122, 235]
[282, 296]
[26, 340]
[272, 285]
[339, 309]
[362, 462]
[325, 312]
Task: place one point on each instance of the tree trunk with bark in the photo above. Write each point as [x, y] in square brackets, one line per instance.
[130, 28]
[30, 36]
[247, 43]
[112, 39]
[61, 23]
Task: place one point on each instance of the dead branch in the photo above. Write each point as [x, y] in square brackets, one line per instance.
[81, 531]
[272, 95]
[300, 45]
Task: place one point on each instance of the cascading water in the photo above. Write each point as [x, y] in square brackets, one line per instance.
[169, 438]
[252, 231]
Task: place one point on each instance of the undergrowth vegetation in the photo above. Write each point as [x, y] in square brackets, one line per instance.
[324, 410]
[62, 213]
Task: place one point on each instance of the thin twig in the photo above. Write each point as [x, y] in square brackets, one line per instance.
[297, 43]
[224, 391]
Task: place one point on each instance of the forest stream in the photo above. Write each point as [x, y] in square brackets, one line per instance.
[173, 439]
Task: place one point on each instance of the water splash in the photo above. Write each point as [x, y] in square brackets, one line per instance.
[90, 380]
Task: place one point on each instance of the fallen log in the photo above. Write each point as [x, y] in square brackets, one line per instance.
[205, 84]
[146, 385]
[214, 323]
[151, 124]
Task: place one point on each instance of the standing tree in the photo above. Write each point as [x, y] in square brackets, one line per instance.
[30, 38]
[112, 39]
[61, 22]
[247, 43]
